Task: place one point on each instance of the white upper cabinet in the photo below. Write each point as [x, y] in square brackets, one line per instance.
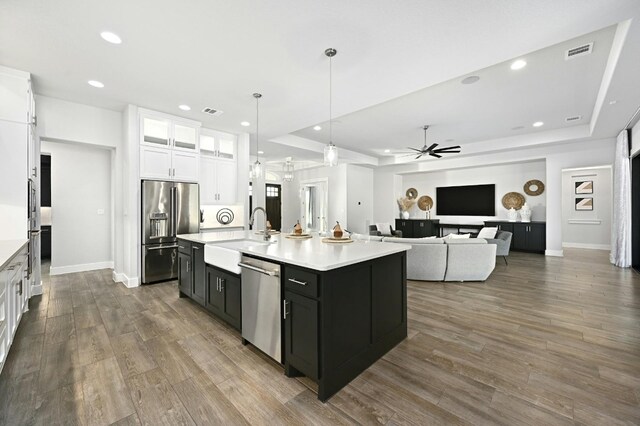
[168, 147]
[155, 132]
[218, 181]
[218, 144]
[15, 95]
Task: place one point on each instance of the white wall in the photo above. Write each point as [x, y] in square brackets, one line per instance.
[635, 139]
[359, 198]
[587, 229]
[506, 177]
[73, 122]
[80, 207]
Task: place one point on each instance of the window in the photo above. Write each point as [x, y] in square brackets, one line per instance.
[272, 191]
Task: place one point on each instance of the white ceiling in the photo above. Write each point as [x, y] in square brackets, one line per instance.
[548, 89]
[208, 53]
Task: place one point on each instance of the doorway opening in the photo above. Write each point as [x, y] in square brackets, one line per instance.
[45, 212]
[273, 204]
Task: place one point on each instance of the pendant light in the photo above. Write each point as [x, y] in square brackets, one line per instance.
[330, 151]
[257, 170]
[287, 170]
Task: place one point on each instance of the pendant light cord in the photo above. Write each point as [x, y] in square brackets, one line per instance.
[330, 105]
[257, 130]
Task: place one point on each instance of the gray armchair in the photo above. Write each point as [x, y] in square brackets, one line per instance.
[373, 230]
[503, 243]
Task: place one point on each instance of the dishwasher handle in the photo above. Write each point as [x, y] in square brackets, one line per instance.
[258, 269]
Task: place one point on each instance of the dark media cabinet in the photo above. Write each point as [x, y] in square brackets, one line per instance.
[418, 228]
[527, 236]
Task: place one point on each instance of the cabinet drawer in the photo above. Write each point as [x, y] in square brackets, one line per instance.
[184, 247]
[301, 281]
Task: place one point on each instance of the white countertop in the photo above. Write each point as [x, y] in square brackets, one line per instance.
[311, 253]
[8, 249]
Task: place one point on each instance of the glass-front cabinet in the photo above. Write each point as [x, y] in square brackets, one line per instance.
[156, 132]
[218, 144]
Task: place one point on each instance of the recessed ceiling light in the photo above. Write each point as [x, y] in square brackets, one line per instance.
[261, 152]
[184, 107]
[518, 64]
[110, 37]
[538, 124]
[245, 123]
[613, 102]
[387, 151]
[316, 128]
[470, 80]
[95, 83]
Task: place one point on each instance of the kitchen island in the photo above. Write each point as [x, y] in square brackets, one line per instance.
[342, 306]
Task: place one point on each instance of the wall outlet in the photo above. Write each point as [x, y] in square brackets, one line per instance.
[100, 211]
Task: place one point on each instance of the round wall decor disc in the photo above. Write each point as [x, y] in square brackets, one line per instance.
[412, 193]
[534, 187]
[425, 203]
[513, 199]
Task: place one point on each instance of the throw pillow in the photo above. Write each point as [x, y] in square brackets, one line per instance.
[384, 228]
[488, 232]
[458, 236]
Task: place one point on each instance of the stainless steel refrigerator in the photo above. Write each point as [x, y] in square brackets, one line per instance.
[168, 209]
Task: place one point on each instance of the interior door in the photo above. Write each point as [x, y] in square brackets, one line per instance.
[274, 205]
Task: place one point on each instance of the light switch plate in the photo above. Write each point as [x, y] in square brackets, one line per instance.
[100, 211]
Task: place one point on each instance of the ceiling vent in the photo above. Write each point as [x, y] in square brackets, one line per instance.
[573, 118]
[585, 49]
[214, 112]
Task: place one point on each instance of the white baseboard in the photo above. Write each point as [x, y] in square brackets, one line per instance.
[128, 282]
[59, 270]
[587, 246]
[36, 289]
[556, 253]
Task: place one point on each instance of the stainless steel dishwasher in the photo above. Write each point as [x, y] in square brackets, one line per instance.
[261, 306]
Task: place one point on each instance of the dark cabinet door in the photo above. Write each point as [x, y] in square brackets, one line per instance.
[536, 237]
[301, 333]
[214, 297]
[406, 226]
[198, 284]
[45, 242]
[184, 273]
[519, 239]
[232, 301]
[421, 228]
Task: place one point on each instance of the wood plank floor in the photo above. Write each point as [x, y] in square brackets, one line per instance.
[544, 341]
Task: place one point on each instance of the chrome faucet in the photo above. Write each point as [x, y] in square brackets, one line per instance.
[267, 236]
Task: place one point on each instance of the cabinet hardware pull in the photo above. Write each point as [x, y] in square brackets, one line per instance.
[217, 284]
[161, 248]
[187, 266]
[196, 248]
[181, 247]
[284, 308]
[258, 269]
[293, 280]
[169, 171]
[222, 280]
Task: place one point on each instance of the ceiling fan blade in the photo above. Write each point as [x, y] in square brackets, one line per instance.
[448, 148]
[446, 151]
[418, 150]
[435, 155]
[431, 147]
[418, 156]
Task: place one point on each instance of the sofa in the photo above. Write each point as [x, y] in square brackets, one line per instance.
[373, 231]
[443, 259]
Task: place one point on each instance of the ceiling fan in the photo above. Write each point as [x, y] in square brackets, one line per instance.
[431, 150]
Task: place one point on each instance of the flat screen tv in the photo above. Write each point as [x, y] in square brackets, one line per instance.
[470, 200]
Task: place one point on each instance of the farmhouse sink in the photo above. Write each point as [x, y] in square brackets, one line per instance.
[226, 255]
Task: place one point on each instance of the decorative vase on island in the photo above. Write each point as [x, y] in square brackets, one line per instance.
[513, 214]
[297, 229]
[525, 213]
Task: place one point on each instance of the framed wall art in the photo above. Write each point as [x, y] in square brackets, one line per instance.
[584, 187]
[584, 203]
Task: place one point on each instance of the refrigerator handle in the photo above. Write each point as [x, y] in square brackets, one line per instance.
[173, 211]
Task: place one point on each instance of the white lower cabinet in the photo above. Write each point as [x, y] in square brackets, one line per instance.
[167, 164]
[218, 181]
[13, 300]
